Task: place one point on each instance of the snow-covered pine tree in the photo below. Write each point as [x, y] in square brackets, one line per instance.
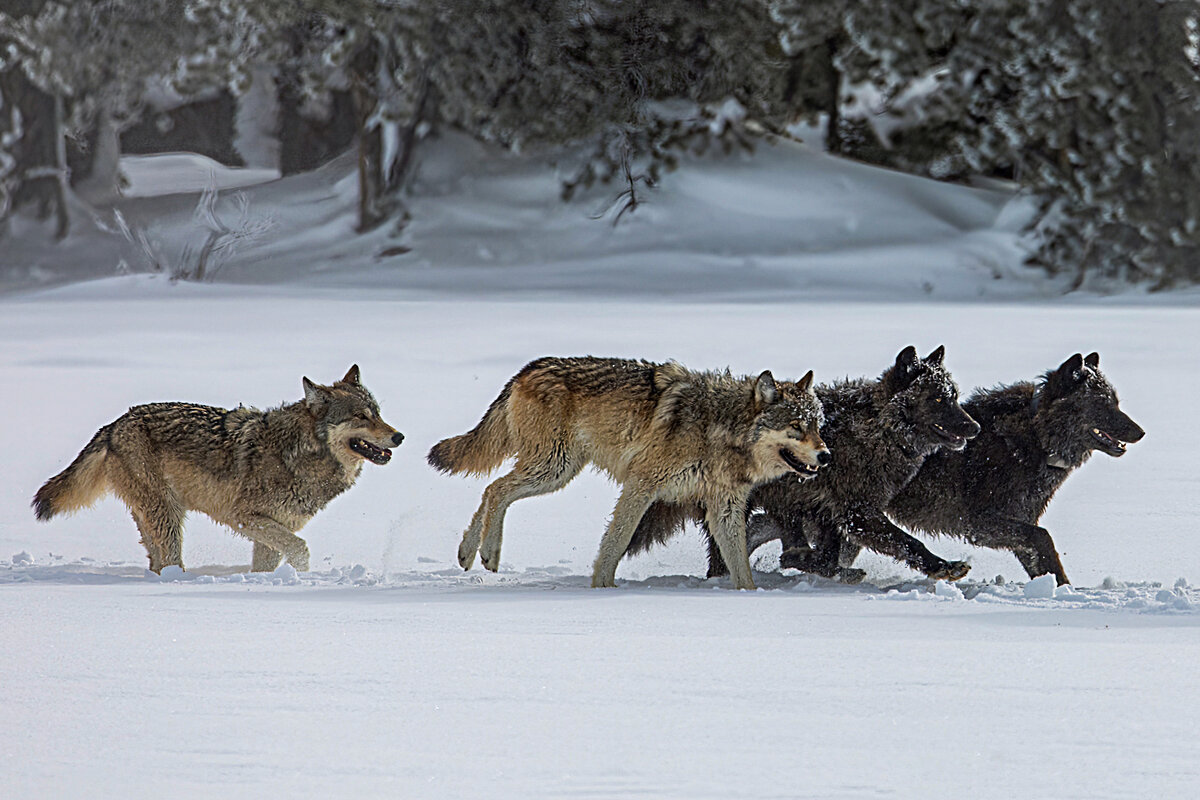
[867, 67]
[1094, 105]
[82, 65]
[670, 77]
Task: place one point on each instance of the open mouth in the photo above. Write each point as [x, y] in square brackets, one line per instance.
[376, 455]
[796, 464]
[1109, 443]
[952, 439]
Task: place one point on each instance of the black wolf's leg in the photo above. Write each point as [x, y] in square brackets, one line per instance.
[1031, 544]
[762, 528]
[811, 547]
[828, 554]
[716, 564]
[871, 529]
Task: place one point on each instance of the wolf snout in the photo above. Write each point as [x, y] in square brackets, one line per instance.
[397, 438]
[823, 458]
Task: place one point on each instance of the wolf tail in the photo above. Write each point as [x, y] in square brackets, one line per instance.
[481, 449]
[79, 485]
[661, 521]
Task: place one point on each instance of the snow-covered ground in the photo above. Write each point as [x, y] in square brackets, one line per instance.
[388, 672]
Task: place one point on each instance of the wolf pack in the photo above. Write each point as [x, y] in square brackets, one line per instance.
[826, 469]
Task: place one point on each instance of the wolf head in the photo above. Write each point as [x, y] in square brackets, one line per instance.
[349, 418]
[922, 402]
[1076, 411]
[786, 435]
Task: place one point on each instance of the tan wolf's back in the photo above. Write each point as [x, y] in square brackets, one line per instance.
[551, 398]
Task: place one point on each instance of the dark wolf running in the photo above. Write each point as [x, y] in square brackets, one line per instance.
[1035, 434]
[879, 433]
[263, 474]
[662, 431]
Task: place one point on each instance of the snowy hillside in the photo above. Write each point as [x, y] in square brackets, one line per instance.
[788, 222]
[389, 672]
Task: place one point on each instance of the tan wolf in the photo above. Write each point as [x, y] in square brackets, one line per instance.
[264, 474]
[662, 431]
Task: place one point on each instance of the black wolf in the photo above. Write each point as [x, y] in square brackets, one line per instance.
[878, 432]
[993, 493]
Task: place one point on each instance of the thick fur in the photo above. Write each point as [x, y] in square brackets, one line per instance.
[879, 432]
[660, 430]
[993, 493]
[264, 474]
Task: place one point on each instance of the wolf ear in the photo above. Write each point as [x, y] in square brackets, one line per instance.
[906, 362]
[937, 356]
[352, 376]
[805, 384]
[313, 394]
[765, 391]
[1092, 360]
[1072, 369]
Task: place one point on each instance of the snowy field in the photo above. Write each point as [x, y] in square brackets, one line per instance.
[389, 672]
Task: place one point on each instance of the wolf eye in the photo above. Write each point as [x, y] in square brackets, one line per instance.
[797, 425]
[937, 400]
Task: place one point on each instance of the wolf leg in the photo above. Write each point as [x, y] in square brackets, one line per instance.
[728, 524]
[1031, 544]
[152, 539]
[267, 534]
[528, 479]
[156, 508]
[813, 546]
[760, 529]
[871, 529]
[265, 558]
[627, 513]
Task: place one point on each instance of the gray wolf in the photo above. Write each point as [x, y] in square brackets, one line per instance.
[662, 431]
[879, 432]
[1035, 434]
[263, 474]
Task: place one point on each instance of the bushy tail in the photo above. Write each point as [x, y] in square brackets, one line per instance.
[79, 485]
[483, 448]
[661, 521]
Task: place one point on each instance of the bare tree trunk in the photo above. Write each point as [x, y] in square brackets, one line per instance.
[371, 178]
[407, 145]
[40, 173]
[102, 185]
[833, 98]
[63, 175]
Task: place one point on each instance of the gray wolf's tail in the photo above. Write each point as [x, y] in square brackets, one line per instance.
[481, 449]
[79, 485]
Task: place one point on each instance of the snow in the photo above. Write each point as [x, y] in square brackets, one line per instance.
[1041, 587]
[389, 672]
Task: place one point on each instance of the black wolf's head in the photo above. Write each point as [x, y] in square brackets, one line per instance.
[786, 435]
[348, 420]
[1076, 411]
[922, 402]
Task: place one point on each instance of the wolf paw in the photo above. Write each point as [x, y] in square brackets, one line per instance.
[490, 560]
[795, 558]
[466, 556]
[950, 571]
[851, 575]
